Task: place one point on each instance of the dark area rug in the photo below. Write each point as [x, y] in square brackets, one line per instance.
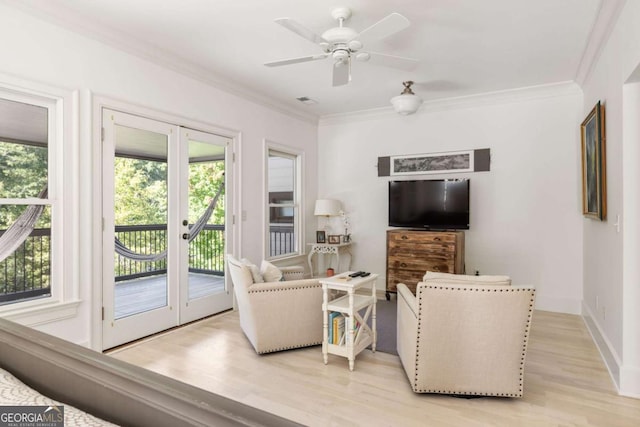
[386, 326]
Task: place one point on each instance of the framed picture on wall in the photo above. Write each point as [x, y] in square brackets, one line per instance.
[321, 237]
[592, 131]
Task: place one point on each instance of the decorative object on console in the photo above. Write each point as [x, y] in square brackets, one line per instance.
[407, 102]
[321, 236]
[346, 237]
[594, 195]
[334, 239]
[479, 161]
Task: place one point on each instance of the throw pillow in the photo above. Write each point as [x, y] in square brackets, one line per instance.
[255, 271]
[270, 272]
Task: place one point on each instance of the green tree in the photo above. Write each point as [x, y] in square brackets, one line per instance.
[204, 181]
[23, 173]
[140, 192]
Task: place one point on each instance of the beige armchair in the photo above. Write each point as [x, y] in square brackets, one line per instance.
[280, 315]
[464, 335]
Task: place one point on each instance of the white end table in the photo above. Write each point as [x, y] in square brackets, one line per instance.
[355, 339]
[330, 249]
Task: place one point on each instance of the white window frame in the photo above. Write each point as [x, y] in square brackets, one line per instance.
[297, 204]
[62, 199]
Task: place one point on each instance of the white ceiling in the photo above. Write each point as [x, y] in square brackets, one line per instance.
[465, 47]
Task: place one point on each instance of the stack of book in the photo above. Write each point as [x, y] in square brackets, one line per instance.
[337, 323]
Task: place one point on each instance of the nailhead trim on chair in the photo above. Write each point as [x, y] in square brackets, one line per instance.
[273, 350]
[524, 347]
[286, 289]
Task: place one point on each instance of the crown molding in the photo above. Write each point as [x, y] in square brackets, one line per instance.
[74, 22]
[603, 25]
[470, 101]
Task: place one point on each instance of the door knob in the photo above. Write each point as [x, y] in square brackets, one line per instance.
[185, 222]
[185, 236]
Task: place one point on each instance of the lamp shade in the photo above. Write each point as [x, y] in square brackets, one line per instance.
[327, 207]
[407, 102]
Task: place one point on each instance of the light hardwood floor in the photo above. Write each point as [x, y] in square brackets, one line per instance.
[566, 383]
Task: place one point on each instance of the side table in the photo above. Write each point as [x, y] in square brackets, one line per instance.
[329, 249]
[357, 334]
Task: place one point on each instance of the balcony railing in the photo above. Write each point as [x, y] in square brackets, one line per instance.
[206, 251]
[282, 239]
[26, 273]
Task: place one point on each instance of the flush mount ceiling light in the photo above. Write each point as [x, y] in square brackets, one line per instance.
[407, 102]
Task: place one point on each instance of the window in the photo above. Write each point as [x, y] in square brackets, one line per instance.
[27, 213]
[283, 194]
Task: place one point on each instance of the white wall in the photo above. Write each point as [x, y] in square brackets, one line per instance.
[611, 258]
[525, 213]
[39, 51]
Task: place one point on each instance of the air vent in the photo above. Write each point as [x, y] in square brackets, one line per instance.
[307, 100]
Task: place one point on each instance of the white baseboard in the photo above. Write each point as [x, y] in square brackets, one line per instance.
[609, 355]
[558, 305]
[630, 381]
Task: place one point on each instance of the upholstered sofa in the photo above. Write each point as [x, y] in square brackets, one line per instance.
[464, 335]
[277, 315]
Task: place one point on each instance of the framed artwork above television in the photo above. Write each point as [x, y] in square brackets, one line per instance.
[419, 164]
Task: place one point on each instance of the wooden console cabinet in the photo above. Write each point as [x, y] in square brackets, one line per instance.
[410, 253]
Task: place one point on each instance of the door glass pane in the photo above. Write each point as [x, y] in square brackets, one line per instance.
[206, 219]
[140, 211]
[282, 206]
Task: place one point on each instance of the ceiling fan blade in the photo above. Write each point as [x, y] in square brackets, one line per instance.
[406, 64]
[341, 73]
[383, 28]
[300, 30]
[296, 60]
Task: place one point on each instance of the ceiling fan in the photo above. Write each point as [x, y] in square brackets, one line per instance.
[343, 43]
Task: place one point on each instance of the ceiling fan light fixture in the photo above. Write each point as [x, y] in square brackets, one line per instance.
[363, 56]
[407, 102]
[340, 55]
[355, 45]
[341, 43]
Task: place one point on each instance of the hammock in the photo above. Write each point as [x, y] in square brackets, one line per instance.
[194, 230]
[17, 233]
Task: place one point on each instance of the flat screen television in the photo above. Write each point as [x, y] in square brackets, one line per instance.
[434, 204]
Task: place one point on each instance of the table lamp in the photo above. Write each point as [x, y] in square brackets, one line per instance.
[327, 208]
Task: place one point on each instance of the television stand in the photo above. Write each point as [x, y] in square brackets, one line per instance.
[410, 253]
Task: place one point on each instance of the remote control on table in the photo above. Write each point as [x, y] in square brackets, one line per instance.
[365, 274]
[356, 274]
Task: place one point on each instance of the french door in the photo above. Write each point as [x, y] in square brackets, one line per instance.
[164, 236]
